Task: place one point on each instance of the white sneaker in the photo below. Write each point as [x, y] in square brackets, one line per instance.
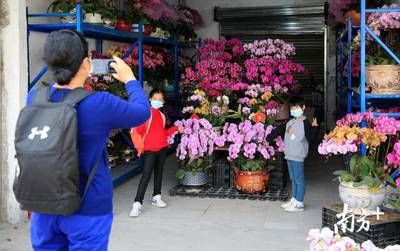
[288, 204]
[158, 202]
[295, 208]
[136, 209]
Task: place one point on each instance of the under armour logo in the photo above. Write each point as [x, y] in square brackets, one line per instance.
[36, 132]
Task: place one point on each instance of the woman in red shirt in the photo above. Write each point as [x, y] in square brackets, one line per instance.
[155, 152]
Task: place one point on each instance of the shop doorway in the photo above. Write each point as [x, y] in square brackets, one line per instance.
[304, 26]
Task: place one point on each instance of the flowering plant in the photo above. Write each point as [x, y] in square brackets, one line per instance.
[348, 136]
[216, 73]
[327, 240]
[258, 104]
[248, 145]
[216, 112]
[275, 74]
[270, 48]
[197, 143]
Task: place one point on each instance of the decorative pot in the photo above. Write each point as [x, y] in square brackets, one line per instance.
[283, 112]
[251, 182]
[355, 17]
[123, 25]
[67, 20]
[93, 18]
[361, 197]
[109, 23]
[194, 179]
[383, 79]
[391, 194]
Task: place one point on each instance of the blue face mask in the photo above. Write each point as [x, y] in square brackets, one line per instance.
[296, 113]
[157, 104]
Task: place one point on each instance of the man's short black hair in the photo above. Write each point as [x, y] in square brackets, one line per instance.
[64, 52]
[297, 101]
[156, 91]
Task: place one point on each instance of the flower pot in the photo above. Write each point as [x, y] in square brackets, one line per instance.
[361, 197]
[251, 182]
[107, 22]
[123, 25]
[194, 179]
[383, 79]
[147, 29]
[355, 17]
[93, 18]
[391, 194]
[283, 112]
[67, 20]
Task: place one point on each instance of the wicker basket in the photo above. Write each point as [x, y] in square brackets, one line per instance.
[383, 79]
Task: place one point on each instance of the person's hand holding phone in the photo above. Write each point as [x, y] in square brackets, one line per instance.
[123, 72]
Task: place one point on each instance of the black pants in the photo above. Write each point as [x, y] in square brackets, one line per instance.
[152, 161]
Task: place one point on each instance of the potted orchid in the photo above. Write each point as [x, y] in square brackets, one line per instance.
[194, 150]
[362, 186]
[249, 152]
[270, 65]
[393, 169]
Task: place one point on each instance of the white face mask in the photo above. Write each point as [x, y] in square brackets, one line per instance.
[296, 112]
[157, 104]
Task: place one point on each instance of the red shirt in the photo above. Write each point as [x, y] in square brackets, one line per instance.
[156, 138]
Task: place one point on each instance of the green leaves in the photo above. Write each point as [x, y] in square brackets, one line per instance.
[180, 174]
[364, 171]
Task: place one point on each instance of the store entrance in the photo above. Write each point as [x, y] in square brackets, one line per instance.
[303, 26]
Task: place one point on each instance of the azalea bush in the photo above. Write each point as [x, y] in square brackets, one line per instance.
[248, 146]
[348, 136]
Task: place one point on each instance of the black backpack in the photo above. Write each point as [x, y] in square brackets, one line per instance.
[46, 143]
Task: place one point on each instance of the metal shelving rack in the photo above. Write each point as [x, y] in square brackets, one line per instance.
[358, 98]
[101, 33]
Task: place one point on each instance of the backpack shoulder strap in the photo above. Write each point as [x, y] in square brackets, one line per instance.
[92, 174]
[148, 124]
[42, 95]
[76, 95]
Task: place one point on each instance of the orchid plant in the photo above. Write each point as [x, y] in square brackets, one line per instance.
[248, 146]
[348, 136]
[198, 141]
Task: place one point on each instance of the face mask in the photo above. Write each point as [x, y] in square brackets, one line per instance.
[296, 113]
[157, 104]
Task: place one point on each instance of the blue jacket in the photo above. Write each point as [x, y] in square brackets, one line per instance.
[98, 114]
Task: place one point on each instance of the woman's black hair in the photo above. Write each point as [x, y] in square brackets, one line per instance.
[156, 91]
[64, 52]
[297, 101]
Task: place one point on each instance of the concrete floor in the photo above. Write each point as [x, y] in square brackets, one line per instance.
[208, 224]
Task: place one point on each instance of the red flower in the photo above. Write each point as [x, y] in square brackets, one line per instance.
[259, 117]
[195, 116]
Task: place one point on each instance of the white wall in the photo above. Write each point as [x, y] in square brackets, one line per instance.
[13, 93]
[206, 9]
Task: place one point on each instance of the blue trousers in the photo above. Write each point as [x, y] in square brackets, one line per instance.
[296, 173]
[70, 233]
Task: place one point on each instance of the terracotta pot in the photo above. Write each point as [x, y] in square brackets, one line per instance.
[383, 79]
[283, 112]
[123, 25]
[251, 182]
[355, 17]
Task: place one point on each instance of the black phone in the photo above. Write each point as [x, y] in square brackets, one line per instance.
[102, 67]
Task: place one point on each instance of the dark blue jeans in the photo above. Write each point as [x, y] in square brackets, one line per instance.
[296, 173]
